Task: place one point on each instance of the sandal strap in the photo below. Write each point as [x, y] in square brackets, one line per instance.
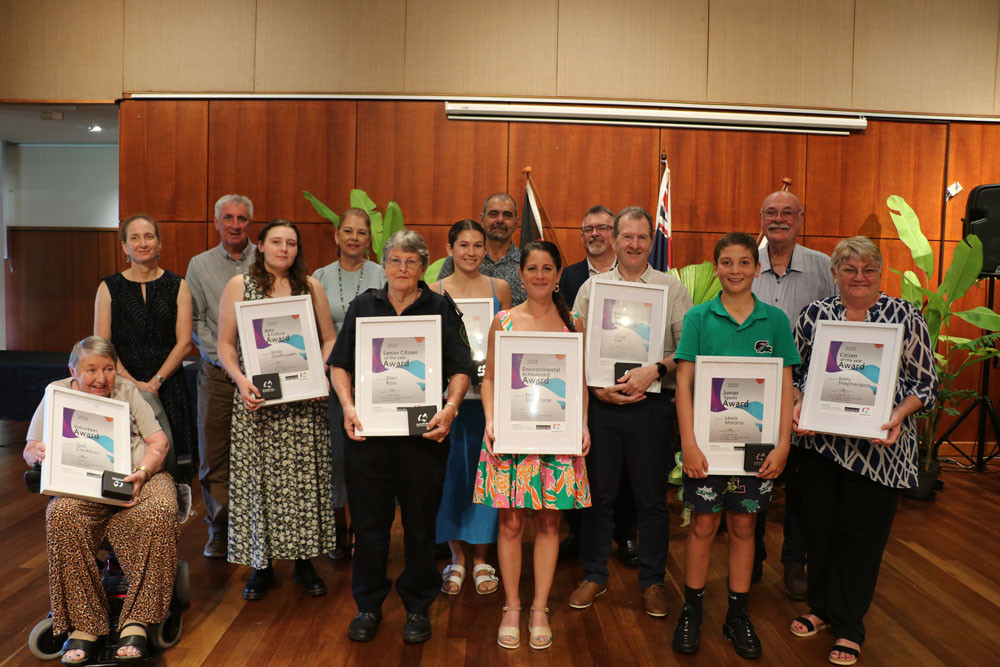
[806, 622]
[546, 609]
[850, 650]
[517, 608]
[133, 624]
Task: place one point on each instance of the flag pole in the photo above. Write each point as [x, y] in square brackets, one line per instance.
[786, 183]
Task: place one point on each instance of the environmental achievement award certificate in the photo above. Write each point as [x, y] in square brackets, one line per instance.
[538, 392]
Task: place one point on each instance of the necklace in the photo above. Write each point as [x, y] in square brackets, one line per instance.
[340, 285]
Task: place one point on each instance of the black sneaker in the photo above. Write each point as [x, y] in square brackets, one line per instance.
[739, 630]
[688, 630]
[260, 582]
[364, 625]
[305, 575]
[417, 628]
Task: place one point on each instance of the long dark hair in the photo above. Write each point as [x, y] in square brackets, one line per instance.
[553, 252]
[298, 273]
[464, 226]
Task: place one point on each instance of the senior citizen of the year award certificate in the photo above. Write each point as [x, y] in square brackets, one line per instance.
[625, 323]
[397, 366]
[852, 377]
[84, 436]
[736, 402]
[538, 393]
[279, 338]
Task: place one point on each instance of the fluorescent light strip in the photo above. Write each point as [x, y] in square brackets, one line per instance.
[686, 126]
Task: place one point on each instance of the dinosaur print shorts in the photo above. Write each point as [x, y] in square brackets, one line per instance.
[743, 494]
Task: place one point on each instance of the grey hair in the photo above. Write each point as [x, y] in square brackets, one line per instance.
[406, 240]
[499, 195]
[784, 192]
[233, 199]
[594, 210]
[636, 212]
[855, 247]
[90, 346]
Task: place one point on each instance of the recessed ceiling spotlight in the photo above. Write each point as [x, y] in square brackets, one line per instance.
[94, 128]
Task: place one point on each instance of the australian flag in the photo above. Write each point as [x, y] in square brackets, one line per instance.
[662, 257]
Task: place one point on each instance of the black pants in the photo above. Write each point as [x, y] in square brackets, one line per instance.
[624, 512]
[379, 471]
[635, 436]
[849, 521]
[793, 548]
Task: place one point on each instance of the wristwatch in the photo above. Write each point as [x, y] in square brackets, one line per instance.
[160, 378]
[661, 369]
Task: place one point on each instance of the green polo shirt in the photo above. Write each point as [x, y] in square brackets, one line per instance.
[711, 331]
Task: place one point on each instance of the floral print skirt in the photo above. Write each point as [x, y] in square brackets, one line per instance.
[532, 481]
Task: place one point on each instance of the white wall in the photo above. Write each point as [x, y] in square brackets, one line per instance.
[64, 185]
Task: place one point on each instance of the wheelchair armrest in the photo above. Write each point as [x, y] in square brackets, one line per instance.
[33, 478]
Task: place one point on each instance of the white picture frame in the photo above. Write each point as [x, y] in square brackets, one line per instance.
[477, 315]
[390, 355]
[84, 435]
[529, 418]
[280, 336]
[722, 426]
[625, 324]
[845, 356]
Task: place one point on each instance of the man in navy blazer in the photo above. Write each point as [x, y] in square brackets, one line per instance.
[595, 233]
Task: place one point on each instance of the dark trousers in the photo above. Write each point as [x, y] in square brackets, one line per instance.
[380, 471]
[636, 437]
[849, 521]
[793, 548]
[624, 517]
[215, 421]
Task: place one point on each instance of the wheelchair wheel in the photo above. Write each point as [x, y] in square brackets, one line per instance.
[166, 634]
[42, 643]
[182, 584]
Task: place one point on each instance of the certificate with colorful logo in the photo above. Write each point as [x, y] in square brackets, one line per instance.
[477, 315]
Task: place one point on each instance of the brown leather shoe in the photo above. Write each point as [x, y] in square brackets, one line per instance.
[656, 603]
[217, 545]
[585, 593]
[795, 582]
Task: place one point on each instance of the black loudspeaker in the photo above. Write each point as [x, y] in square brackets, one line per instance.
[982, 218]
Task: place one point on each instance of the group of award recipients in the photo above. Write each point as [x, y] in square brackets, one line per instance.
[459, 475]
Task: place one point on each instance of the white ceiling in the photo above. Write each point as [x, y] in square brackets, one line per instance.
[23, 124]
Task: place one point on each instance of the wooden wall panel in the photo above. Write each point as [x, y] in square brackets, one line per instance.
[51, 49]
[50, 300]
[163, 159]
[851, 177]
[606, 62]
[504, 47]
[270, 151]
[189, 45]
[787, 52]
[180, 241]
[719, 179]
[319, 246]
[925, 55]
[972, 160]
[575, 167]
[317, 46]
[693, 247]
[438, 171]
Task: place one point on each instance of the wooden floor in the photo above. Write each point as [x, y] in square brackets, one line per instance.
[938, 600]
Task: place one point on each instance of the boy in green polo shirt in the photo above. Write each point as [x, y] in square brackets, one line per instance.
[733, 324]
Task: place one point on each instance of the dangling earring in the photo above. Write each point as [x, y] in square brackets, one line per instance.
[128, 260]
[557, 288]
[157, 257]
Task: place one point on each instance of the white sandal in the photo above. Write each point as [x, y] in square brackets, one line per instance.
[454, 574]
[482, 574]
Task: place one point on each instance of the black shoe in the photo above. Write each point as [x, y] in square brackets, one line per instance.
[260, 581]
[569, 548]
[442, 551]
[305, 574]
[758, 571]
[688, 631]
[739, 629]
[628, 553]
[417, 628]
[364, 625]
[217, 545]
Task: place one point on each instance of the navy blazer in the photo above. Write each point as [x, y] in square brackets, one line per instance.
[573, 277]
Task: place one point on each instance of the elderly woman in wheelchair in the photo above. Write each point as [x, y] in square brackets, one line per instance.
[143, 532]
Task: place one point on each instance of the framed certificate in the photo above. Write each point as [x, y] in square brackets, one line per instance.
[538, 393]
[625, 324]
[280, 345]
[477, 314]
[84, 436]
[852, 378]
[737, 401]
[397, 365]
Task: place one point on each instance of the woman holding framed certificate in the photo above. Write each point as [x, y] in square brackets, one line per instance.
[459, 519]
[545, 483]
[853, 484]
[280, 490]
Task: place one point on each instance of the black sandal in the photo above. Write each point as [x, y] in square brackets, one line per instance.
[140, 642]
[88, 646]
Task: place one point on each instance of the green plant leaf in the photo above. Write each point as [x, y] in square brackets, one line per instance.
[322, 209]
[982, 317]
[908, 228]
[360, 199]
[963, 272]
[933, 326]
[700, 281]
[910, 288]
[378, 234]
[393, 219]
[432, 272]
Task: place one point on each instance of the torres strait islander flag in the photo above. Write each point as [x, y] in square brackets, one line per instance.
[531, 222]
[662, 258]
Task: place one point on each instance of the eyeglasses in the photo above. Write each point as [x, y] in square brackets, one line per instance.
[397, 263]
[851, 272]
[784, 214]
[590, 229]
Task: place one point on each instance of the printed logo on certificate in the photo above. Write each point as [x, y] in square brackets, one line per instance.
[87, 442]
[281, 347]
[625, 330]
[737, 410]
[399, 374]
[851, 381]
[538, 392]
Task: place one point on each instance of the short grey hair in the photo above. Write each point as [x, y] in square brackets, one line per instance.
[233, 199]
[855, 247]
[594, 210]
[407, 240]
[499, 195]
[637, 213]
[90, 346]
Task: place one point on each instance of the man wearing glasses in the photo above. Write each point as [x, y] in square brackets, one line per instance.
[791, 277]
